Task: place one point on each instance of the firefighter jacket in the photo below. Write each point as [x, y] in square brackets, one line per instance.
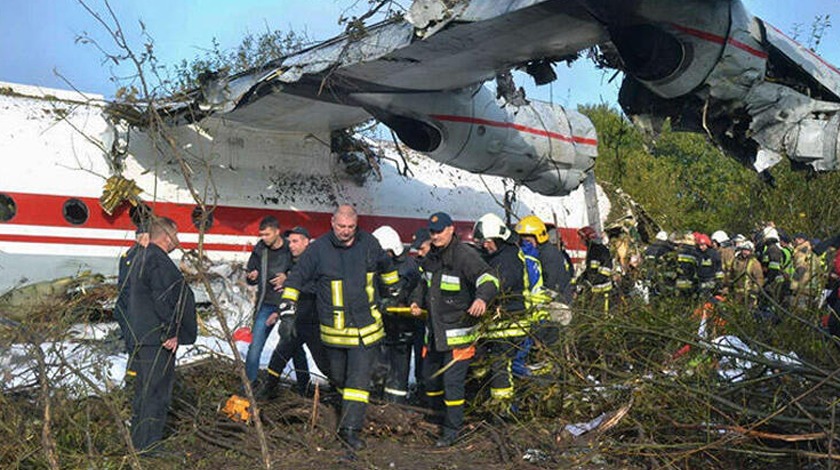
[508, 265]
[709, 269]
[687, 264]
[747, 280]
[557, 270]
[803, 267]
[269, 263]
[161, 303]
[454, 276]
[344, 287]
[597, 273]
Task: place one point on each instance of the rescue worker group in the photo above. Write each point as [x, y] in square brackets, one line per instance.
[368, 309]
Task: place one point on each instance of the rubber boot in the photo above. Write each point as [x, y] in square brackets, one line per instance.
[350, 437]
[447, 437]
[269, 389]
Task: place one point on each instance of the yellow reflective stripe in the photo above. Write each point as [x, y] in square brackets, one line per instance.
[506, 392]
[352, 336]
[454, 402]
[450, 283]
[487, 277]
[338, 319]
[290, 293]
[395, 392]
[337, 290]
[271, 372]
[369, 287]
[354, 394]
[605, 271]
[458, 336]
[435, 393]
[506, 332]
[390, 277]
[687, 259]
[605, 287]
[131, 373]
[774, 265]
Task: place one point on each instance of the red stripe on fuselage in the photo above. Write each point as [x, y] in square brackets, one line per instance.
[711, 37]
[46, 210]
[510, 125]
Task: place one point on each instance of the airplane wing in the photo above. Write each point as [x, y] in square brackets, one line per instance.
[708, 65]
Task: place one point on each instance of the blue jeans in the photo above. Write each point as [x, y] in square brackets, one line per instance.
[259, 333]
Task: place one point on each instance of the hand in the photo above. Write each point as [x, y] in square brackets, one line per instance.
[415, 309]
[278, 281]
[385, 302]
[287, 308]
[477, 308]
[171, 344]
[272, 319]
[252, 276]
[286, 329]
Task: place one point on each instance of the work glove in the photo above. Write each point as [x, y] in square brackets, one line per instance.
[384, 302]
[286, 327]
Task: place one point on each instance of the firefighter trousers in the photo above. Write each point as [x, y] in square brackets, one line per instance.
[350, 372]
[445, 390]
[501, 352]
[292, 348]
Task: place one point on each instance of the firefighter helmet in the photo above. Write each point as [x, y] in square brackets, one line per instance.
[389, 239]
[532, 225]
[720, 237]
[702, 239]
[490, 226]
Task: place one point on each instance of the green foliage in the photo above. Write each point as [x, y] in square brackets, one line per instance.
[253, 51]
[685, 182]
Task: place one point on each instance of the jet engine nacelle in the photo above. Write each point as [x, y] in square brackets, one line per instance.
[712, 67]
[543, 146]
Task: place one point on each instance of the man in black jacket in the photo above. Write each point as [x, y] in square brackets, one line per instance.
[267, 268]
[121, 313]
[343, 264]
[162, 309]
[456, 288]
[304, 331]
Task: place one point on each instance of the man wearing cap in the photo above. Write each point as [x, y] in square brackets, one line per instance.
[342, 265]
[121, 313]
[267, 267]
[421, 242]
[458, 286]
[297, 331]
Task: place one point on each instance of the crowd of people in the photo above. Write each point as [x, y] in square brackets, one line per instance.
[368, 308]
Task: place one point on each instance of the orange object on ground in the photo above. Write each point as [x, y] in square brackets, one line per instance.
[238, 408]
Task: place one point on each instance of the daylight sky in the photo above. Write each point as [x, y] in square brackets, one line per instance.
[38, 37]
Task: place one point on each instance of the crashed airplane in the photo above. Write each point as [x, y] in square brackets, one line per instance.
[271, 139]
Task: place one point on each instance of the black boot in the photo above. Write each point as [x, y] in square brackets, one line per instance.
[268, 389]
[350, 437]
[447, 437]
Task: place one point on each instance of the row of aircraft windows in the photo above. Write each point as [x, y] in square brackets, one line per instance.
[76, 212]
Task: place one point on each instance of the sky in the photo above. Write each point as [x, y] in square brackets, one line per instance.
[39, 37]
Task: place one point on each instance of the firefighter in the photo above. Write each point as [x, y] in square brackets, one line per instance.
[501, 252]
[399, 331]
[773, 260]
[457, 286]
[688, 260]
[595, 282]
[343, 265]
[557, 268]
[726, 249]
[709, 266]
[747, 276]
[804, 268]
[660, 264]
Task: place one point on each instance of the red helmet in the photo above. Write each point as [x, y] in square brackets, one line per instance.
[702, 239]
[588, 233]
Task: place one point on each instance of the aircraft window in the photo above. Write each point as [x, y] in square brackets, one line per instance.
[8, 208]
[139, 214]
[75, 211]
[200, 218]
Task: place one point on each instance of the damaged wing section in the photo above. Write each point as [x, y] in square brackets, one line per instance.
[757, 93]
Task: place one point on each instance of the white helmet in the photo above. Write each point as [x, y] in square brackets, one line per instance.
[720, 237]
[770, 233]
[746, 245]
[490, 226]
[389, 239]
[662, 236]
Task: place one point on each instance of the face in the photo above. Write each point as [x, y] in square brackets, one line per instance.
[270, 235]
[171, 240]
[703, 247]
[529, 238]
[489, 245]
[297, 244]
[344, 227]
[424, 248]
[442, 238]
